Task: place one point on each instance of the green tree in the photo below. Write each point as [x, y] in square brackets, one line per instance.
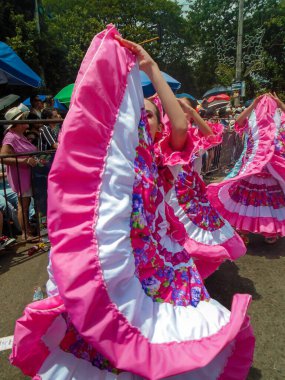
[213, 29]
[72, 24]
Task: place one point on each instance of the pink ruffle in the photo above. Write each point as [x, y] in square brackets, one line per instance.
[195, 142]
[202, 142]
[207, 258]
[240, 129]
[169, 157]
[262, 225]
[236, 367]
[30, 352]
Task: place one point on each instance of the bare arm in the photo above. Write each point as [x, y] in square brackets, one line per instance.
[241, 118]
[168, 99]
[192, 114]
[22, 161]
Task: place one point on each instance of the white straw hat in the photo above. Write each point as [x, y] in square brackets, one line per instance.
[14, 113]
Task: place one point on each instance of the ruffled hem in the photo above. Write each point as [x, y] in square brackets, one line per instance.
[208, 258]
[267, 226]
[169, 157]
[237, 367]
[31, 349]
[240, 129]
[201, 142]
[224, 244]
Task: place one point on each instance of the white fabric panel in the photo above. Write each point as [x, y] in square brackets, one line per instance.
[255, 136]
[198, 234]
[51, 286]
[277, 120]
[55, 333]
[159, 322]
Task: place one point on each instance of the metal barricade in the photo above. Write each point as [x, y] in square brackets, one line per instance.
[224, 154]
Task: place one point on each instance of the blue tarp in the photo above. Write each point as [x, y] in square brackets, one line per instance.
[148, 89]
[14, 71]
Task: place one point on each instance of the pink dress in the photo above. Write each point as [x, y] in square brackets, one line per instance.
[20, 145]
[127, 300]
[193, 221]
[254, 200]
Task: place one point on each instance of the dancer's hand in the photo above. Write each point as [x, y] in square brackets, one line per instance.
[193, 116]
[146, 63]
[275, 97]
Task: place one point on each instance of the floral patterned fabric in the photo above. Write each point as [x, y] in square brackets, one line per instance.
[258, 194]
[191, 195]
[76, 345]
[165, 276]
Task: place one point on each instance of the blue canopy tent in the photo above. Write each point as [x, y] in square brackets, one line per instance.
[148, 89]
[57, 104]
[14, 71]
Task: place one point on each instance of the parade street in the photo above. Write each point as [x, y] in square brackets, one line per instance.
[260, 273]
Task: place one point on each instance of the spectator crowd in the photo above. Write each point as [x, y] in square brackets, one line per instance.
[16, 195]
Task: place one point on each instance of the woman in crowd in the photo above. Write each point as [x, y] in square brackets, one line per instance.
[19, 169]
[128, 301]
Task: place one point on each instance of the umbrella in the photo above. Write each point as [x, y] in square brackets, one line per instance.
[219, 97]
[218, 104]
[57, 104]
[64, 95]
[14, 71]
[184, 95]
[6, 101]
[148, 89]
[217, 90]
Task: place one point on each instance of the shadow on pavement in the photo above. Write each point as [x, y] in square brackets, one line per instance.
[226, 282]
[257, 247]
[17, 255]
[254, 374]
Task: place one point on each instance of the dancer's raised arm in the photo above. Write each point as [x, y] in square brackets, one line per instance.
[169, 102]
[241, 118]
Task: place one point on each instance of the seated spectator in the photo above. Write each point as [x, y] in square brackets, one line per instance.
[19, 170]
[49, 132]
[9, 203]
